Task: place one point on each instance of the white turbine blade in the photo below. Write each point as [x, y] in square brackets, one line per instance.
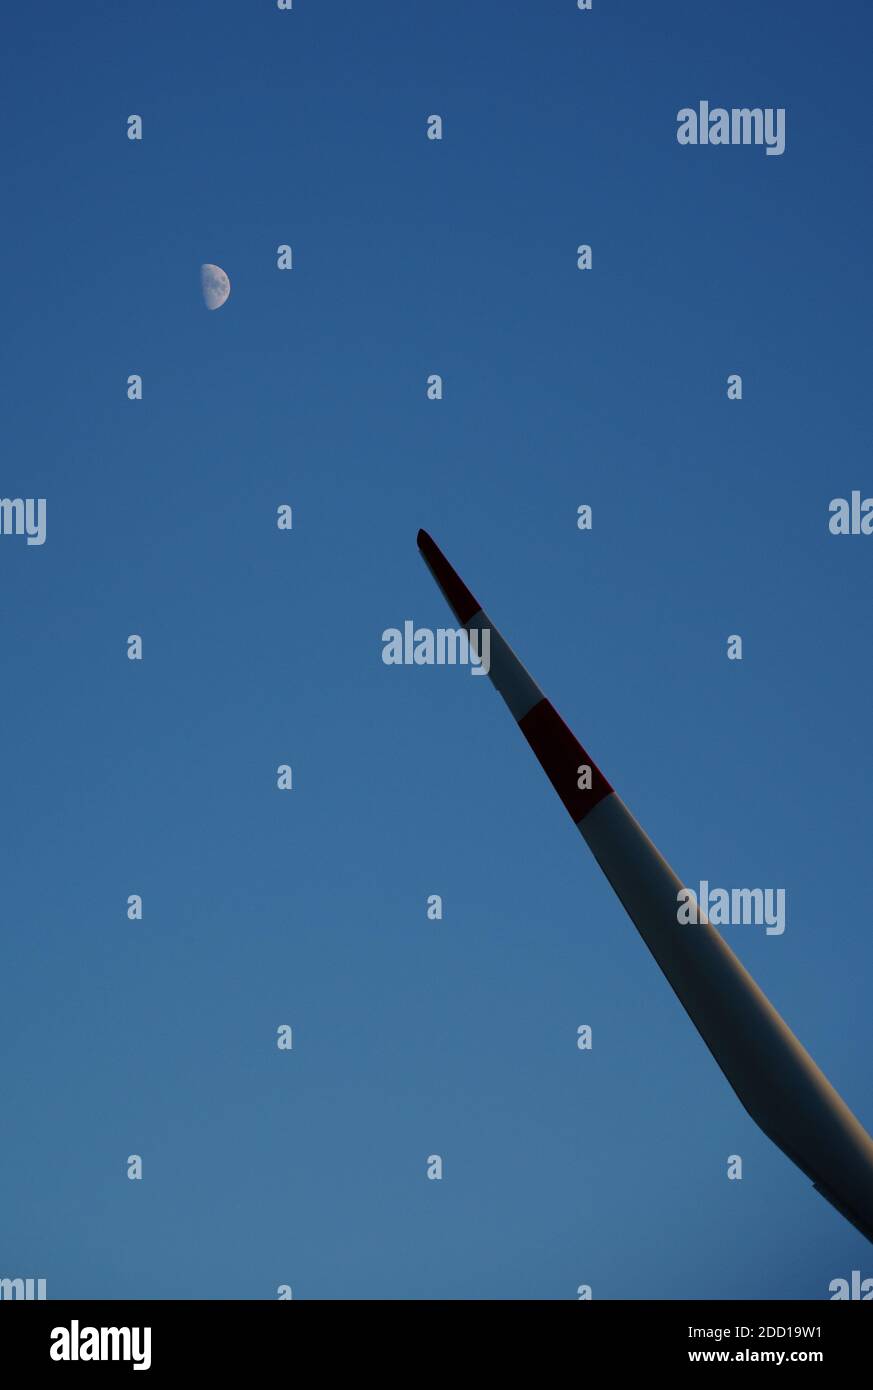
[773, 1075]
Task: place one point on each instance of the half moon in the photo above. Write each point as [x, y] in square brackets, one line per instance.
[215, 286]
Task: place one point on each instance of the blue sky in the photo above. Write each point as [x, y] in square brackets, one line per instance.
[606, 387]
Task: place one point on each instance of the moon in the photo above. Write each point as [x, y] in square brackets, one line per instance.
[215, 286]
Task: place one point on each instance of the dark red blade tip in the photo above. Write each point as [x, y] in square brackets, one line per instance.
[461, 601]
[562, 758]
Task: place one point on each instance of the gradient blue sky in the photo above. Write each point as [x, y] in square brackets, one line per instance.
[261, 647]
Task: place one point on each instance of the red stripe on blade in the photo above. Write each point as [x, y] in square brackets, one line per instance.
[562, 755]
[461, 601]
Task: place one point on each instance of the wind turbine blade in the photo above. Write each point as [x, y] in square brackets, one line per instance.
[772, 1074]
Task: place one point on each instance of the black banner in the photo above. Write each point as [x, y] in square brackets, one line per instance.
[67, 1338]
